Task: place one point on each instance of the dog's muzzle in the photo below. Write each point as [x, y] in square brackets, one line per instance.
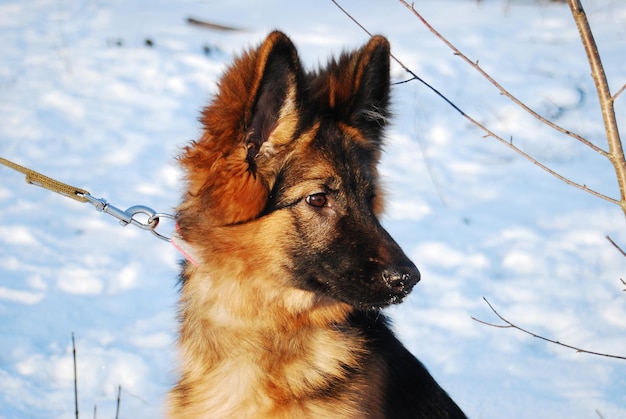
[401, 279]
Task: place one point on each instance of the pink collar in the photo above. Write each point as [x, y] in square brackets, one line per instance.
[183, 247]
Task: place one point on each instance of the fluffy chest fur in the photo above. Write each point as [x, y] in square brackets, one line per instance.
[271, 360]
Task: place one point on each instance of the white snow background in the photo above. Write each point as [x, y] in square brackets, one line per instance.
[84, 99]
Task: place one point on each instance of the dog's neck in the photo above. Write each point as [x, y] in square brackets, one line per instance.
[250, 362]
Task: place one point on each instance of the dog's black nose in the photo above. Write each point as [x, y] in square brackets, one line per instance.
[401, 278]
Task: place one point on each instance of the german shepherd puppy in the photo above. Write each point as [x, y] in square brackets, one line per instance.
[290, 266]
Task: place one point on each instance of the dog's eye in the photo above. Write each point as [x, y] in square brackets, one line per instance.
[317, 200]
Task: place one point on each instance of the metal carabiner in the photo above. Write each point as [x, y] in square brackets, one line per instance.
[150, 223]
[102, 205]
[128, 216]
[155, 219]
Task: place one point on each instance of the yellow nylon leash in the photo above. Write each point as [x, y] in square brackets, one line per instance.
[36, 178]
[151, 217]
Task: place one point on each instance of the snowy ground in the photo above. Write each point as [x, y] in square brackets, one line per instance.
[85, 100]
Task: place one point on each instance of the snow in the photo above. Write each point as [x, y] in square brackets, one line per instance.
[86, 101]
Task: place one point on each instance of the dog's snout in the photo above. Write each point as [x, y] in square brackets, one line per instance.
[401, 277]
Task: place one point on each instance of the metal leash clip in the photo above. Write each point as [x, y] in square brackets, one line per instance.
[128, 217]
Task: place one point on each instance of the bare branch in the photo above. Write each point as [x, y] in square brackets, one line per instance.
[616, 153]
[353, 19]
[408, 70]
[616, 246]
[497, 326]
[75, 376]
[212, 25]
[556, 342]
[485, 129]
[621, 251]
[502, 89]
[619, 92]
[119, 397]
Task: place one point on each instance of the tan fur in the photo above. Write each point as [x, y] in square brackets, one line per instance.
[235, 361]
[236, 306]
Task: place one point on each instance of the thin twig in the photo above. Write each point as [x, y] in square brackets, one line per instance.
[75, 376]
[212, 25]
[353, 19]
[119, 397]
[407, 69]
[556, 342]
[498, 326]
[500, 88]
[485, 129]
[62, 37]
[616, 246]
[619, 92]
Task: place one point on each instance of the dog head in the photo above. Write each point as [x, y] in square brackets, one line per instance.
[284, 179]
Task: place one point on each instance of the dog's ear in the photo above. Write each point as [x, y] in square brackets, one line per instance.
[253, 115]
[273, 114]
[359, 86]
